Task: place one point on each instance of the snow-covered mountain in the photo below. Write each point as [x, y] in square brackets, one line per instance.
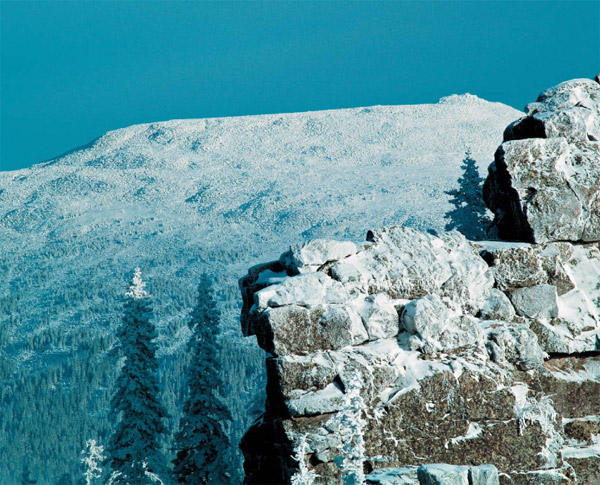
[182, 197]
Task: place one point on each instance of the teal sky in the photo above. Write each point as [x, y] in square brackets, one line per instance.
[71, 71]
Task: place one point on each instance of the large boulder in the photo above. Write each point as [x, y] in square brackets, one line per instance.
[481, 356]
[407, 264]
[544, 184]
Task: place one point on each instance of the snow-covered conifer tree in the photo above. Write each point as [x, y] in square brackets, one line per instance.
[201, 442]
[352, 424]
[91, 458]
[134, 449]
[303, 476]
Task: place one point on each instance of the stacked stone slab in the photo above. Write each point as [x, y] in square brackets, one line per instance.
[480, 356]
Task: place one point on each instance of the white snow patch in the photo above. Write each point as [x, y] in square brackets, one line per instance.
[473, 431]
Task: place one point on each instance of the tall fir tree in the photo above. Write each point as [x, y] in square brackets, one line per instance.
[134, 454]
[202, 443]
[469, 215]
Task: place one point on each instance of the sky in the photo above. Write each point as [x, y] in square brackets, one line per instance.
[73, 70]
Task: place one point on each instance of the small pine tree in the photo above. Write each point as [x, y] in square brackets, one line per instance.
[134, 449]
[352, 425]
[469, 215]
[303, 476]
[201, 442]
[91, 457]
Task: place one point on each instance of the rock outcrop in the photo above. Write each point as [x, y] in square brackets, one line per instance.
[479, 362]
[544, 184]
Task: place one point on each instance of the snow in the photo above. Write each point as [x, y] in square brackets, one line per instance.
[394, 476]
[268, 277]
[324, 401]
[591, 451]
[136, 290]
[528, 409]
[183, 197]
[411, 367]
[307, 290]
[473, 431]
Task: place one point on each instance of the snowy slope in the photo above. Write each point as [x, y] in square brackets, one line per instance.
[184, 196]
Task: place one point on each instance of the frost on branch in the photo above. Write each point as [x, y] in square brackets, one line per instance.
[91, 457]
[136, 289]
[303, 476]
[352, 424]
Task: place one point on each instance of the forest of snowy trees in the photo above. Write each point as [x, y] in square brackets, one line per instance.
[134, 453]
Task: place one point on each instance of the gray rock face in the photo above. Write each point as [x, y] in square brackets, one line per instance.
[544, 184]
[539, 301]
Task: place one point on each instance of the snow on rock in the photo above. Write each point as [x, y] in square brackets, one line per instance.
[483, 475]
[435, 474]
[307, 290]
[429, 319]
[497, 307]
[302, 258]
[514, 343]
[405, 263]
[379, 315]
[544, 184]
[393, 476]
[441, 474]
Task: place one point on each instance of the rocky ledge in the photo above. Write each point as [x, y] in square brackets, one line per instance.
[544, 184]
[472, 362]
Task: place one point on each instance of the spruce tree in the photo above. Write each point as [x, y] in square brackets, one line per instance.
[201, 442]
[469, 215]
[134, 453]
